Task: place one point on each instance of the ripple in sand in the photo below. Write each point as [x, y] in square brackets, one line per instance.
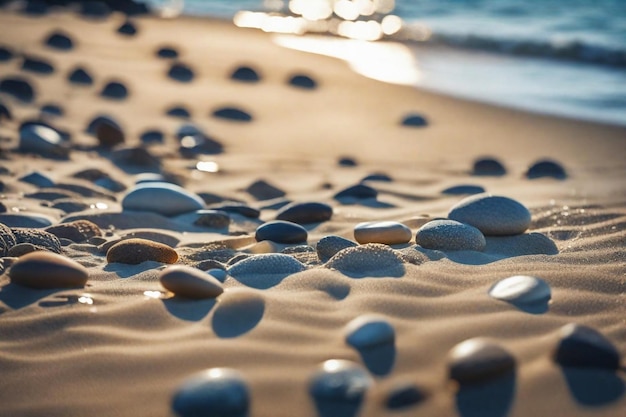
[181, 72]
[450, 235]
[303, 82]
[59, 41]
[487, 166]
[18, 88]
[245, 74]
[80, 76]
[584, 347]
[386, 232]
[414, 120]
[232, 113]
[477, 360]
[546, 169]
[369, 260]
[37, 65]
[339, 387]
[43, 270]
[190, 282]
[115, 90]
[305, 212]
[265, 270]
[531, 294]
[281, 231]
[216, 392]
[170, 199]
[238, 312]
[135, 251]
[492, 215]
[127, 28]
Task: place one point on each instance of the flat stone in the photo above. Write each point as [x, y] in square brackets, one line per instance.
[190, 282]
[38, 179]
[214, 219]
[167, 52]
[59, 41]
[414, 120]
[403, 396]
[115, 90]
[450, 235]
[216, 392]
[218, 273]
[153, 136]
[328, 246]
[76, 231]
[237, 208]
[37, 65]
[281, 231]
[368, 331]
[359, 191]
[18, 88]
[127, 28]
[52, 110]
[163, 198]
[347, 161]
[246, 74]
[463, 189]
[477, 360]
[305, 212]
[302, 81]
[137, 156]
[340, 381]
[70, 205]
[266, 264]
[22, 249]
[581, 346]
[492, 215]
[232, 113]
[178, 111]
[546, 169]
[80, 76]
[37, 237]
[488, 166]
[181, 72]
[44, 270]
[378, 176]
[262, 190]
[25, 220]
[194, 141]
[521, 289]
[369, 260]
[387, 232]
[135, 251]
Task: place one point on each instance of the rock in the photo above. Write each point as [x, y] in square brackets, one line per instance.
[37, 65]
[584, 347]
[492, 215]
[302, 81]
[25, 220]
[403, 396]
[127, 28]
[232, 113]
[218, 273]
[304, 213]
[521, 289]
[38, 179]
[7, 239]
[6, 54]
[59, 41]
[359, 191]
[170, 199]
[109, 133]
[80, 76]
[377, 177]
[213, 219]
[178, 111]
[368, 331]
[265, 264]
[369, 260]
[136, 251]
[339, 382]
[42, 140]
[546, 168]
[190, 282]
[181, 73]
[93, 9]
[488, 167]
[167, 52]
[387, 232]
[463, 189]
[450, 235]
[414, 120]
[328, 246]
[262, 190]
[237, 208]
[44, 270]
[5, 113]
[477, 360]
[150, 137]
[22, 249]
[280, 231]
[246, 74]
[76, 231]
[115, 90]
[216, 392]
[18, 88]
[519, 245]
[52, 110]
[194, 141]
[347, 161]
[70, 205]
[137, 156]
[37, 237]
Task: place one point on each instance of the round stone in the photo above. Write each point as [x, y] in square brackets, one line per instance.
[303, 81]
[463, 189]
[265, 264]
[135, 251]
[304, 213]
[328, 246]
[80, 76]
[340, 381]
[60, 41]
[584, 347]
[181, 73]
[216, 392]
[246, 74]
[162, 198]
[6, 54]
[521, 289]
[404, 395]
[281, 231]
[108, 132]
[152, 136]
[127, 28]
[37, 65]
[450, 235]
[476, 360]
[18, 88]
[369, 260]
[546, 169]
[232, 113]
[368, 331]
[114, 90]
[52, 110]
[492, 215]
[359, 191]
[488, 167]
[42, 140]
[414, 120]
[387, 232]
[76, 231]
[167, 52]
[44, 270]
[178, 111]
[190, 282]
[377, 176]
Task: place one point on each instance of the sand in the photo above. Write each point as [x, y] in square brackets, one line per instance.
[122, 345]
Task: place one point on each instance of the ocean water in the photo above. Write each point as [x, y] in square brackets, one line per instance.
[563, 57]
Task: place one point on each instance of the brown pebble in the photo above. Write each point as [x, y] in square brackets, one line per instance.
[479, 359]
[189, 282]
[136, 251]
[109, 135]
[76, 231]
[44, 270]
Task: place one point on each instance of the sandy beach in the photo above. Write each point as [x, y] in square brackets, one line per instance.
[103, 336]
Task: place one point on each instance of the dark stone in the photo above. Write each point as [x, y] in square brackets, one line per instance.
[181, 72]
[38, 179]
[546, 168]
[3, 209]
[95, 10]
[70, 205]
[80, 76]
[76, 231]
[115, 90]
[167, 52]
[584, 347]
[232, 113]
[136, 156]
[35, 8]
[6, 54]
[414, 120]
[60, 41]
[18, 88]
[377, 177]
[347, 161]
[303, 213]
[52, 110]
[150, 137]
[107, 131]
[128, 28]
[328, 246]
[37, 65]
[488, 167]
[262, 190]
[404, 396]
[281, 232]
[303, 81]
[359, 191]
[5, 113]
[237, 208]
[463, 189]
[178, 111]
[246, 74]
[194, 141]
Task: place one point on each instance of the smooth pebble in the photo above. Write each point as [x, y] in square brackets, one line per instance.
[232, 113]
[581, 346]
[42, 140]
[80, 76]
[189, 282]
[181, 72]
[359, 191]
[163, 198]
[246, 74]
[305, 212]
[488, 166]
[414, 120]
[281, 231]
[135, 251]
[59, 41]
[303, 81]
[266, 264]
[546, 169]
[369, 331]
[387, 232]
[340, 381]
[450, 235]
[476, 360]
[328, 246]
[521, 289]
[369, 260]
[18, 88]
[45, 270]
[214, 219]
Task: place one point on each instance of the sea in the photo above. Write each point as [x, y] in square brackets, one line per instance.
[558, 57]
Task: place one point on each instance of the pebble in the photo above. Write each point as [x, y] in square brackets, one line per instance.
[359, 191]
[44, 270]
[521, 289]
[167, 52]
[303, 81]
[387, 232]
[237, 208]
[22, 249]
[526, 244]
[70, 205]
[189, 282]
[181, 73]
[80, 76]
[95, 10]
[492, 215]
[263, 190]
[114, 90]
[194, 141]
[379, 176]
[5, 113]
[265, 264]
[218, 273]
[369, 260]
[7, 239]
[463, 189]
[216, 392]
[38, 179]
[368, 331]
[108, 132]
[476, 360]
[414, 120]
[135, 251]
[25, 220]
[281, 231]
[304, 213]
[178, 111]
[127, 28]
[450, 235]
[328, 246]
[152, 136]
[347, 161]
[546, 168]
[6, 54]
[232, 113]
[59, 41]
[163, 198]
[488, 167]
[37, 237]
[76, 231]
[246, 74]
[18, 88]
[138, 156]
[213, 219]
[584, 347]
[37, 65]
[403, 396]
[52, 110]
[340, 381]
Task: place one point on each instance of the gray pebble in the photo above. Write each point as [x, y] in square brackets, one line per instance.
[492, 215]
[450, 235]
